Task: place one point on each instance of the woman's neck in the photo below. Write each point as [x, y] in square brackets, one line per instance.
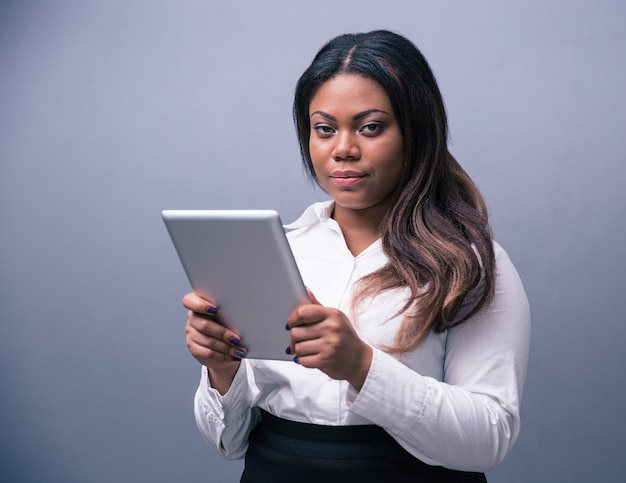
[360, 228]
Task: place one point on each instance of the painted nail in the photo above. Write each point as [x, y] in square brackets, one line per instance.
[240, 353]
[288, 350]
[295, 359]
[236, 359]
[287, 327]
[234, 341]
[211, 310]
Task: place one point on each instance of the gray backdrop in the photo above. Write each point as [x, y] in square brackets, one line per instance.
[111, 111]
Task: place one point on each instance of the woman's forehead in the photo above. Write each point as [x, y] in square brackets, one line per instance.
[350, 91]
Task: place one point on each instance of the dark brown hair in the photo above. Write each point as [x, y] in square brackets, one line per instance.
[436, 234]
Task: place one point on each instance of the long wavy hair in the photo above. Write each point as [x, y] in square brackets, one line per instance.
[436, 233]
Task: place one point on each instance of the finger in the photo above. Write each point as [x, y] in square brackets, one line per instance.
[309, 359]
[307, 347]
[194, 302]
[312, 297]
[211, 357]
[301, 333]
[211, 347]
[213, 329]
[302, 339]
[306, 314]
[300, 349]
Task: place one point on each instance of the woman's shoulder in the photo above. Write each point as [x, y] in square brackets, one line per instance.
[508, 280]
[501, 256]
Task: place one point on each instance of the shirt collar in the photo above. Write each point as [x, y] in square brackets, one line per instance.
[316, 213]
[320, 213]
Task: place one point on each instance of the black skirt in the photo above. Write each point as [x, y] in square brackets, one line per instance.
[281, 450]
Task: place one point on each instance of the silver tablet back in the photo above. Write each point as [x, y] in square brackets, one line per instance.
[241, 260]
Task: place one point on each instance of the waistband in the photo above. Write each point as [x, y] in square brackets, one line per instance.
[335, 442]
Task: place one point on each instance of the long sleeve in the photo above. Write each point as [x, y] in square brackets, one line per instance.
[471, 419]
[226, 421]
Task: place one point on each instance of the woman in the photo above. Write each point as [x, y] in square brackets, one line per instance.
[411, 357]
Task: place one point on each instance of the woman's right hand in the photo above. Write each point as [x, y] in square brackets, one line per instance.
[211, 343]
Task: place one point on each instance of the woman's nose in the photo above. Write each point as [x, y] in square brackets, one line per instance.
[346, 147]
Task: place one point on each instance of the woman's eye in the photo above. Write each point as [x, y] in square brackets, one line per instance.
[371, 128]
[323, 130]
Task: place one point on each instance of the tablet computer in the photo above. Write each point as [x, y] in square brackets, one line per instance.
[241, 260]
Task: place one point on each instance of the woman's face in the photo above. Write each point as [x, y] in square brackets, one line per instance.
[355, 144]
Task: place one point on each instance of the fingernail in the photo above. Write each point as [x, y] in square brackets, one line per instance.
[211, 310]
[295, 359]
[287, 327]
[234, 341]
[240, 353]
[288, 350]
[236, 359]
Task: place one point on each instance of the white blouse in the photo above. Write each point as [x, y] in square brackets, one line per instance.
[454, 401]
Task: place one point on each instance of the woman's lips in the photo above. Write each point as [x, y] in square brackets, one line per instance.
[346, 178]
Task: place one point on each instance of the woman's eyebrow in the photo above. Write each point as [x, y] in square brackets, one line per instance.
[323, 114]
[355, 117]
[368, 112]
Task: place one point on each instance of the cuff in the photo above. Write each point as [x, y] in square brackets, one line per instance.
[236, 392]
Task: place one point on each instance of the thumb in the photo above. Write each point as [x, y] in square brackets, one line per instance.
[312, 297]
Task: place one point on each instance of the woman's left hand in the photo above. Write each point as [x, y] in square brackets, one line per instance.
[323, 338]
